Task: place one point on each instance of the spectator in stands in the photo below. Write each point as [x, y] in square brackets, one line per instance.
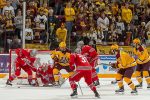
[93, 34]
[18, 20]
[28, 34]
[120, 28]
[42, 2]
[136, 19]
[32, 8]
[126, 14]
[85, 38]
[29, 18]
[142, 32]
[80, 23]
[45, 8]
[144, 2]
[8, 24]
[9, 8]
[148, 35]
[115, 8]
[69, 16]
[61, 33]
[128, 35]
[100, 35]
[113, 36]
[59, 7]
[15, 4]
[103, 22]
[41, 18]
[2, 4]
[16, 43]
[37, 31]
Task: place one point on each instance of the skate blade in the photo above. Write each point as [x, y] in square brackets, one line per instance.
[139, 87]
[120, 93]
[134, 93]
[98, 97]
[8, 85]
[148, 88]
[74, 97]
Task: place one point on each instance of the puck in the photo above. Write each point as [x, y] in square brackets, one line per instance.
[18, 86]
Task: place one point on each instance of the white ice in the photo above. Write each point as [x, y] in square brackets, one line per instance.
[106, 91]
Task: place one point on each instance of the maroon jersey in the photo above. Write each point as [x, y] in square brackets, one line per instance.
[79, 61]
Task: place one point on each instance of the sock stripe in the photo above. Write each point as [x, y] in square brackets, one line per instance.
[130, 83]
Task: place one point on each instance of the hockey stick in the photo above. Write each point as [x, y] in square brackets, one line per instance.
[80, 88]
[63, 82]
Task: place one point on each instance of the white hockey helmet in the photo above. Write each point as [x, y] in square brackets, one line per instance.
[33, 52]
[80, 44]
[77, 50]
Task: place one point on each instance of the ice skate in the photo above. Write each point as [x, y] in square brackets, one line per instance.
[8, 82]
[74, 94]
[139, 85]
[120, 90]
[134, 91]
[96, 83]
[148, 86]
[96, 94]
[114, 82]
[31, 83]
[56, 84]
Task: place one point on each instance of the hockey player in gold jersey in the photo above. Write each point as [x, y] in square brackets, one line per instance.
[61, 58]
[125, 64]
[143, 61]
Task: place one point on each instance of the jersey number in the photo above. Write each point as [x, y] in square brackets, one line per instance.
[83, 59]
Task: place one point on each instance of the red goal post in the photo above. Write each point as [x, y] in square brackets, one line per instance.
[43, 55]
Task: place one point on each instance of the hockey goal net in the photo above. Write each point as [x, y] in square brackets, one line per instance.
[42, 56]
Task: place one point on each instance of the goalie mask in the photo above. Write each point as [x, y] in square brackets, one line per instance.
[33, 53]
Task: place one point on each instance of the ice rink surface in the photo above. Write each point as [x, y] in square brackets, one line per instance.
[106, 91]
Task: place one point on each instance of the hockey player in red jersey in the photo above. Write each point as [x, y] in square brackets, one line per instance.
[92, 56]
[25, 60]
[45, 74]
[83, 69]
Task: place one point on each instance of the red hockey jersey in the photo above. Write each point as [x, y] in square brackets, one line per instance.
[89, 52]
[46, 76]
[80, 62]
[24, 58]
[22, 53]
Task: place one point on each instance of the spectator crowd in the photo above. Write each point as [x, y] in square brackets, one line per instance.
[53, 21]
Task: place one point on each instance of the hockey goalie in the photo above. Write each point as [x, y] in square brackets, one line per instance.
[44, 75]
[25, 61]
